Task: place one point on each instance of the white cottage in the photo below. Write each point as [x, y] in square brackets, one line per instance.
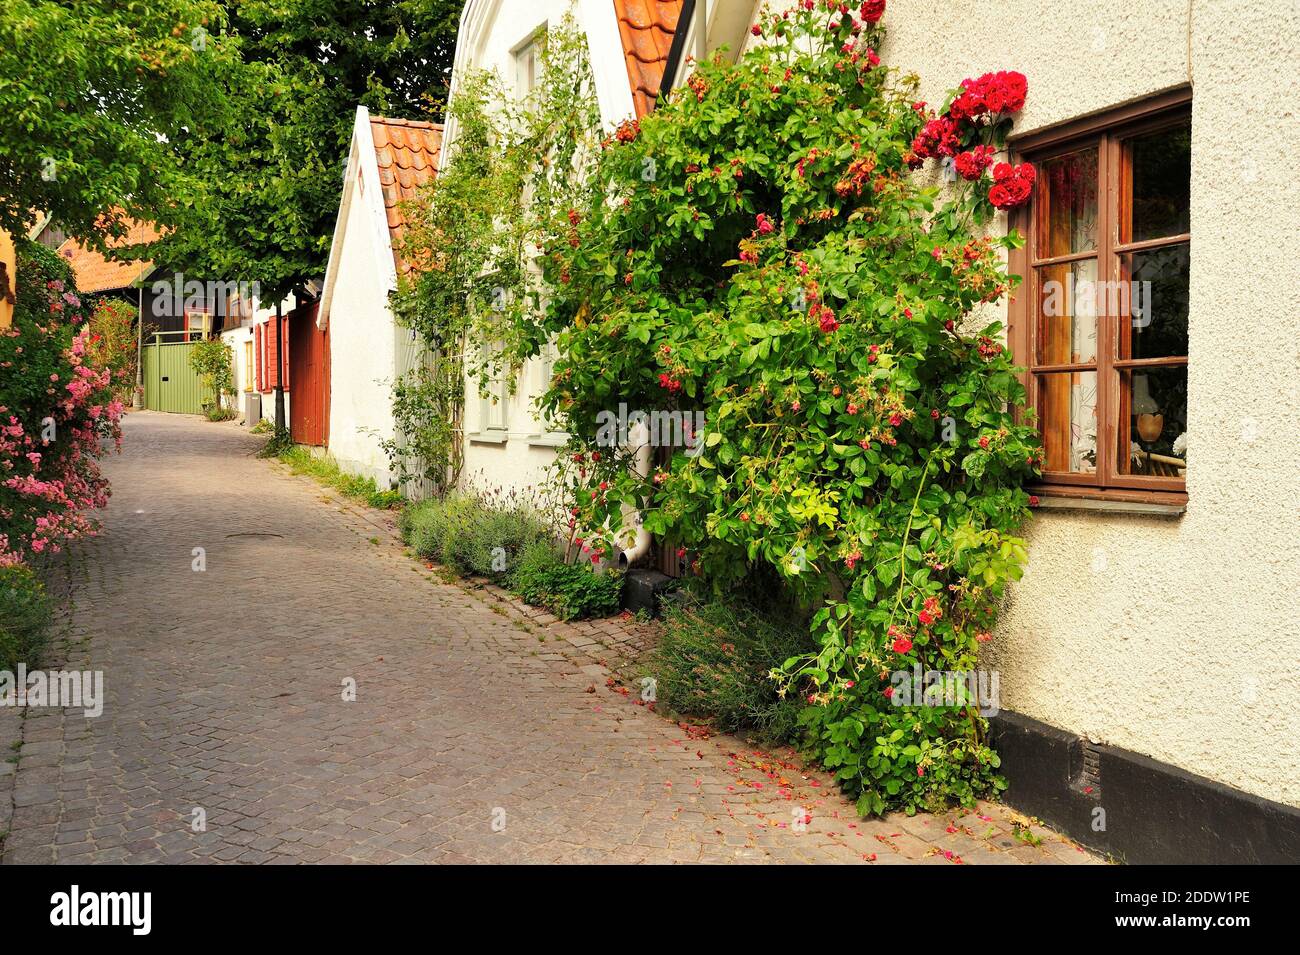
[388, 161]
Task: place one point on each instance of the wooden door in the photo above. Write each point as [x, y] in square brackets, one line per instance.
[310, 374]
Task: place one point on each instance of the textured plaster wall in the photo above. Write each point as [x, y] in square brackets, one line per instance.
[520, 462]
[1174, 637]
[362, 333]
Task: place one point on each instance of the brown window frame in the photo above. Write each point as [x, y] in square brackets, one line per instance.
[1107, 131]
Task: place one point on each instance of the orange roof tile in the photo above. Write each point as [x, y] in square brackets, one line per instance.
[647, 28]
[95, 273]
[407, 152]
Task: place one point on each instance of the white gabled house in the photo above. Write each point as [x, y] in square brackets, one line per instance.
[388, 161]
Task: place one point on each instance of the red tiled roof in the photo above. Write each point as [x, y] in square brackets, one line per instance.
[95, 273]
[647, 28]
[407, 152]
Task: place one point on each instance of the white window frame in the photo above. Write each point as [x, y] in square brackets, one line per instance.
[527, 61]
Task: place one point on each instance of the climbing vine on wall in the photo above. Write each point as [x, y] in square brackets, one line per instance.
[476, 293]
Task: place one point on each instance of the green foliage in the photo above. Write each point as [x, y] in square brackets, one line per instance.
[758, 252]
[427, 406]
[570, 591]
[473, 232]
[484, 535]
[113, 343]
[26, 612]
[93, 92]
[212, 360]
[271, 175]
[279, 443]
[325, 470]
[715, 660]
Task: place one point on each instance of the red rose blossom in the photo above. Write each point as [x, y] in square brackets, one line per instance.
[1012, 185]
[972, 163]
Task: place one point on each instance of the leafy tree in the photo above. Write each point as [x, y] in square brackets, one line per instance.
[393, 56]
[270, 178]
[92, 92]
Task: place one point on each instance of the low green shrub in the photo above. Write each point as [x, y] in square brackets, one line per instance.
[214, 363]
[714, 659]
[26, 612]
[471, 535]
[570, 591]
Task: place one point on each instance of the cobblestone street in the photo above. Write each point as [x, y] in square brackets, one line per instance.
[478, 734]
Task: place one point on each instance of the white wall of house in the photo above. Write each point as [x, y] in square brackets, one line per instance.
[506, 444]
[245, 375]
[1175, 637]
[237, 339]
[362, 332]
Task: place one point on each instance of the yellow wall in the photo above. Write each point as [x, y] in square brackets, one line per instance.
[7, 258]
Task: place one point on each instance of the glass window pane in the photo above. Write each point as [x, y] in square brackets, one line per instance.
[1067, 313]
[1157, 302]
[1155, 402]
[1161, 164]
[1067, 204]
[1067, 420]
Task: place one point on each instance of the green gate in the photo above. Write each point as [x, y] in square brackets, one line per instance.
[170, 384]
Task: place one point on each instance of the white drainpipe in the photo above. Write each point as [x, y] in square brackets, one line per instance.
[638, 442]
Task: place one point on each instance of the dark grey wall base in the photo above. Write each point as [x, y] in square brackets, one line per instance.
[1152, 812]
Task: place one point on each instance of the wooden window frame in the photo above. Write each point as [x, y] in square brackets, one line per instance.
[190, 334]
[1107, 131]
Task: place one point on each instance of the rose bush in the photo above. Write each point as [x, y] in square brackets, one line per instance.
[760, 251]
[56, 409]
[113, 345]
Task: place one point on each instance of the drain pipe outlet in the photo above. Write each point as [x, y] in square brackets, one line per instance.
[638, 442]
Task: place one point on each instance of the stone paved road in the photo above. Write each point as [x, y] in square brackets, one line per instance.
[224, 694]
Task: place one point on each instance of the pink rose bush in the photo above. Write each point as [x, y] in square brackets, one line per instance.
[57, 410]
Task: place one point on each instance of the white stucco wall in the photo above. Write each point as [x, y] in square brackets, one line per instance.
[235, 339]
[517, 459]
[361, 330]
[518, 462]
[1174, 637]
[246, 374]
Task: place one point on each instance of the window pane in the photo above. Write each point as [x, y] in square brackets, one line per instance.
[1067, 419]
[1067, 315]
[1155, 402]
[1067, 205]
[1157, 302]
[1162, 184]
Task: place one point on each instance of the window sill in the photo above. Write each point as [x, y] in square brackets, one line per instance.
[489, 437]
[1111, 500]
[550, 439]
